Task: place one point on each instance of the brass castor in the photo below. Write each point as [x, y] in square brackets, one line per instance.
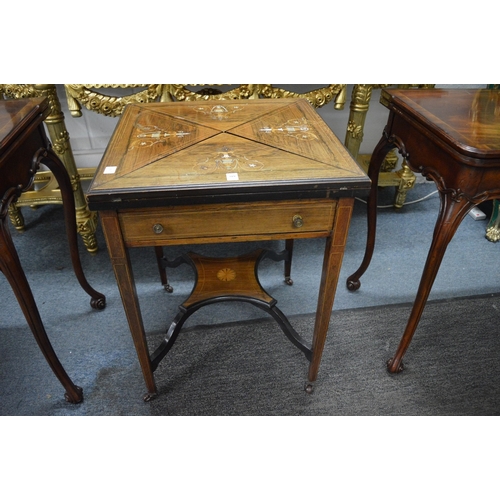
[395, 369]
[149, 396]
[309, 388]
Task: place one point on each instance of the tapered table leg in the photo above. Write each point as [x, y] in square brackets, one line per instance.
[334, 252]
[122, 268]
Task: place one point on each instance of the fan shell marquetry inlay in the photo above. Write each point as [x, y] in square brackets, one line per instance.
[226, 274]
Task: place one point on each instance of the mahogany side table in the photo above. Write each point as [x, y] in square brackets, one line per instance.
[23, 147]
[453, 138]
[188, 172]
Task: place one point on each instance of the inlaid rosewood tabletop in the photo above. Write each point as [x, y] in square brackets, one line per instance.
[224, 171]
[453, 138]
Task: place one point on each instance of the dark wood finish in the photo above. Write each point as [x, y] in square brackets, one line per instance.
[453, 138]
[189, 173]
[23, 147]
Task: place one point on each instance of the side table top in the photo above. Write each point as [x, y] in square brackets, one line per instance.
[468, 120]
[15, 114]
[18, 119]
[189, 152]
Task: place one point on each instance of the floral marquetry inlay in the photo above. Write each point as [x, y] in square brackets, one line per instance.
[298, 129]
[151, 135]
[219, 112]
[228, 161]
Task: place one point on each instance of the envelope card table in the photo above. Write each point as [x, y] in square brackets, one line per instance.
[188, 172]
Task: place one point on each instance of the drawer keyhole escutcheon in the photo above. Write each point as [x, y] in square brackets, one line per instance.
[297, 221]
[158, 229]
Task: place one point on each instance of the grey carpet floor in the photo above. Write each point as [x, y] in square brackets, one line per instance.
[97, 350]
[452, 366]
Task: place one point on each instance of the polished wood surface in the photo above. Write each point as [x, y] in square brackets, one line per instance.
[177, 225]
[23, 147]
[453, 138]
[466, 120]
[185, 173]
[167, 152]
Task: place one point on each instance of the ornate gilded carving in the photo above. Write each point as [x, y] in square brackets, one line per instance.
[493, 234]
[355, 130]
[86, 95]
[16, 217]
[318, 97]
[86, 223]
[56, 115]
[18, 91]
[493, 229]
[360, 102]
[179, 92]
[360, 97]
[407, 182]
[390, 162]
[61, 144]
[75, 182]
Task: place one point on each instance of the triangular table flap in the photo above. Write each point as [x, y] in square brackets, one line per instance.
[151, 135]
[298, 129]
[222, 115]
[226, 159]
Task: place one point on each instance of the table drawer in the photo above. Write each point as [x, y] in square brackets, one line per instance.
[174, 225]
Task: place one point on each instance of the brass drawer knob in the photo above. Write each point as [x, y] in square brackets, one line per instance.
[297, 221]
[158, 229]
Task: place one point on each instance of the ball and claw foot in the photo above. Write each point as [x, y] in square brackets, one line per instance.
[76, 400]
[288, 281]
[353, 285]
[309, 387]
[149, 396]
[168, 288]
[395, 370]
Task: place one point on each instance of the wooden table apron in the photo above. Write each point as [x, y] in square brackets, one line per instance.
[464, 175]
